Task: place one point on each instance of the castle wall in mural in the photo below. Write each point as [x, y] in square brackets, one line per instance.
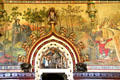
[94, 26]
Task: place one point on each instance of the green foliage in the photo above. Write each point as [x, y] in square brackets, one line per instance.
[72, 10]
[15, 13]
[6, 41]
[34, 15]
[4, 17]
[14, 8]
[6, 44]
[70, 17]
[15, 51]
[1, 46]
[19, 51]
[43, 12]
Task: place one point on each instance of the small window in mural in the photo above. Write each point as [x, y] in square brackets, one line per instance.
[53, 58]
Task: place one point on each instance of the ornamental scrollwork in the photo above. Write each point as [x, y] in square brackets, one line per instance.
[35, 35]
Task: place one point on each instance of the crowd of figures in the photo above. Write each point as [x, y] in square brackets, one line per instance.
[53, 60]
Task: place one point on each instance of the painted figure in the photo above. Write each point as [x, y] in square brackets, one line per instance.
[25, 32]
[46, 62]
[53, 59]
[16, 31]
[102, 50]
[52, 15]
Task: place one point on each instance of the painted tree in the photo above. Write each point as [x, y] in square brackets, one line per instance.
[36, 17]
[71, 14]
[15, 14]
[4, 22]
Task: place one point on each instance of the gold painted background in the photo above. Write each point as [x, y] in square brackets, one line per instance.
[74, 18]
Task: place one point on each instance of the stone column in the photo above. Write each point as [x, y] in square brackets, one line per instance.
[92, 15]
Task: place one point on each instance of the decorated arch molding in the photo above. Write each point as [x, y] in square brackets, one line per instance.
[52, 37]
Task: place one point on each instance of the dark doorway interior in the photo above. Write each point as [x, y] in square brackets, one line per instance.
[54, 76]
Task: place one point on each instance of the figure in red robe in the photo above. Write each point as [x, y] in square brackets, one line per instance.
[102, 49]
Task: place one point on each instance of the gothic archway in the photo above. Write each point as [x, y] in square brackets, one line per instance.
[47, 49]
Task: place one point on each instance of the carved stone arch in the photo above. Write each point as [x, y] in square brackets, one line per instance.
[57, 41]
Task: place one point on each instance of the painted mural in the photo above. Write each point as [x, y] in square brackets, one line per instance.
[94, 26]
[53, 58]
